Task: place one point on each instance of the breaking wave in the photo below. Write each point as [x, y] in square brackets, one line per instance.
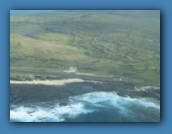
[84, 104]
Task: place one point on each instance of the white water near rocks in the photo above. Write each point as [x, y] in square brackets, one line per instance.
[83, 104]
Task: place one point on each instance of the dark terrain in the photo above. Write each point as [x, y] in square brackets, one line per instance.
[24, 93]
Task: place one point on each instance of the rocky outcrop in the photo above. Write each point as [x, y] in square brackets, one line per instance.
[20, 93]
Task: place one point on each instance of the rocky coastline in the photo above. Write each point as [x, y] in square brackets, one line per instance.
[32, 93]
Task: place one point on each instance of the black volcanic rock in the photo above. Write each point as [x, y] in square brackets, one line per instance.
[20, 93]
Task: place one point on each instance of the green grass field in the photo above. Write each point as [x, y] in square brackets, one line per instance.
[122, 43]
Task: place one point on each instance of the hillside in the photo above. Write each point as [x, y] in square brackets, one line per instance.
[123, 43]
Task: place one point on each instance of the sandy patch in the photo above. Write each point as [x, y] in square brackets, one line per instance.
[51, 82]
[145, 88]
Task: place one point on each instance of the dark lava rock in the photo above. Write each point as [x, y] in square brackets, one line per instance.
[21, 93]
[30, 111]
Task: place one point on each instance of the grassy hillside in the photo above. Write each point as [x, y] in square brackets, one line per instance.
[124, 43]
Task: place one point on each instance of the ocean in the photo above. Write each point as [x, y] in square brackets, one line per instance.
[92, 103]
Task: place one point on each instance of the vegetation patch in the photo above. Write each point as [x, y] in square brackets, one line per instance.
[122, 43]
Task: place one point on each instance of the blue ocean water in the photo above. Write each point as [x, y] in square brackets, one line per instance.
[97, 106]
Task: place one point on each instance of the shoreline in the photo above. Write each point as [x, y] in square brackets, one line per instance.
[52, 82]
[42, 91]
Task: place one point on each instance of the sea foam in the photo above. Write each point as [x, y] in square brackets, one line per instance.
[82, 104]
